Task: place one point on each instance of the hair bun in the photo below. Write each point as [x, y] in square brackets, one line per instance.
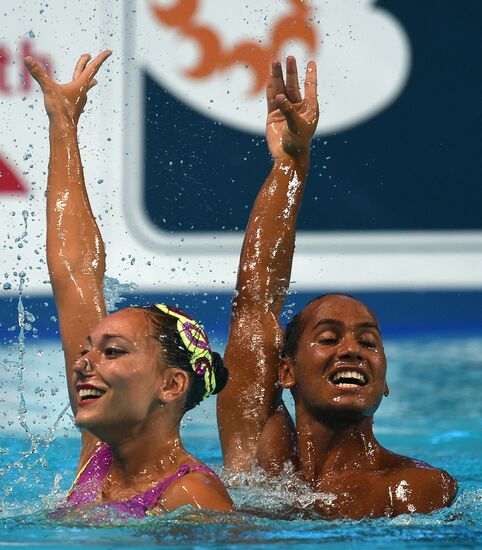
[220, 372]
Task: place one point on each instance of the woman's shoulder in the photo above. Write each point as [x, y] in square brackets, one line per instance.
[197, 486]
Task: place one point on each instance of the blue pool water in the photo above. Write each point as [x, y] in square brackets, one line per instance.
[434, 412]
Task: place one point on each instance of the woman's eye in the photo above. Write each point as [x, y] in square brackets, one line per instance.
[82, 353]
[114, 352]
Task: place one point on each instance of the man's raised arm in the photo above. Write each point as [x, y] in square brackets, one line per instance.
[253, 423]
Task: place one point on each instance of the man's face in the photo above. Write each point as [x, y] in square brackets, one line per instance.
[340, 366]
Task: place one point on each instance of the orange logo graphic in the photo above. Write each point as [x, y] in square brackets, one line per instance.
[216, 58]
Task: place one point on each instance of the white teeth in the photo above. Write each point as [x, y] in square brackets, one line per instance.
[349, 374]
[85, 393]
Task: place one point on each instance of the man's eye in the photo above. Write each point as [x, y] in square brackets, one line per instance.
[328, 340]
[114, 352]
[370, 344]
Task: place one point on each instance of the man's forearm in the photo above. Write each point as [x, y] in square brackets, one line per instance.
[268, 247]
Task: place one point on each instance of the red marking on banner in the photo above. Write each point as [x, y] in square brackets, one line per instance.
[9, 182]
[215, 57]
[4, 63]
[14, 77]
[26, 48]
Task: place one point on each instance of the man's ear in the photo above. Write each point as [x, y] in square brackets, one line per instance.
[386, 391]
[175, 384]
[286, 373]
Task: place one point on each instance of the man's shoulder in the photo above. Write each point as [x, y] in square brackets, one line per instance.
[415, 486]
[396, 465]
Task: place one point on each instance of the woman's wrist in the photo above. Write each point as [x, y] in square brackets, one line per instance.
[60, 125]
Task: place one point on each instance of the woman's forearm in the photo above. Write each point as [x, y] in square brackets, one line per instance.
[75, 251]
[74, 243]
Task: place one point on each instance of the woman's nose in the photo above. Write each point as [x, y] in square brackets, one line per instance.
[84, 366]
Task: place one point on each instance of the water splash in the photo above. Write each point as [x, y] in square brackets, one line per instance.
[282, 496]
[113, 290]
[28, 460]
[21, 319]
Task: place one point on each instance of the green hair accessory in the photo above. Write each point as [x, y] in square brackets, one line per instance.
[196, 342]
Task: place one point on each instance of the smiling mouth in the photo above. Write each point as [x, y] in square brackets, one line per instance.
[89, 394]
[348, 379]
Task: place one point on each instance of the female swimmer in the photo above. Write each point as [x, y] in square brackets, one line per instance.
[133, 374]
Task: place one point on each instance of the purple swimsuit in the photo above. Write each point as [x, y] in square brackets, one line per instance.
[88, 483]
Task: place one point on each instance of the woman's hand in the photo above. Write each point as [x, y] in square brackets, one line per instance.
[291, 120]
[66, 101]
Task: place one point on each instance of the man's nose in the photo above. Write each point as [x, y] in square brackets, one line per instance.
[350, 348]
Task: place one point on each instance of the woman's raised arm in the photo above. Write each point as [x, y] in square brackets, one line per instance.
[253, 423]
[75, 251]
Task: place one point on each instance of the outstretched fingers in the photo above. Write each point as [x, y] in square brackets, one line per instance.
[278, 81]
[292, 82]
[293, 119]
[270, 94]
[275, 85]
[81, 63]
[92, 68]
[37, 71]
[311, 82]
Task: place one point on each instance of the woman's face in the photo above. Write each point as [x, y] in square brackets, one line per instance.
[122, 384]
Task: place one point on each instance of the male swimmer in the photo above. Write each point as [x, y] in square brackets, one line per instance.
[131, 375]
[331, 356]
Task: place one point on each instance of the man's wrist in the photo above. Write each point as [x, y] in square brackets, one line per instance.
[300, 162]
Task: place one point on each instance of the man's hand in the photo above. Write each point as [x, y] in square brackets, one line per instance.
[291, 120]
[66, 101]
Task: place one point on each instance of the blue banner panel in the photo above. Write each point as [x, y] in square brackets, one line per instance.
[414, 166]
[400, 314]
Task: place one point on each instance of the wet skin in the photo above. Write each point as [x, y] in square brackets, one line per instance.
[337, 375]
[339, 335]
[138, 413]
[126, 368]
[337, 450]
[135, 401]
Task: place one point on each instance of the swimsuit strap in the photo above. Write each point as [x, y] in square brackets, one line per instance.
[150, 498]
[86, 484]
